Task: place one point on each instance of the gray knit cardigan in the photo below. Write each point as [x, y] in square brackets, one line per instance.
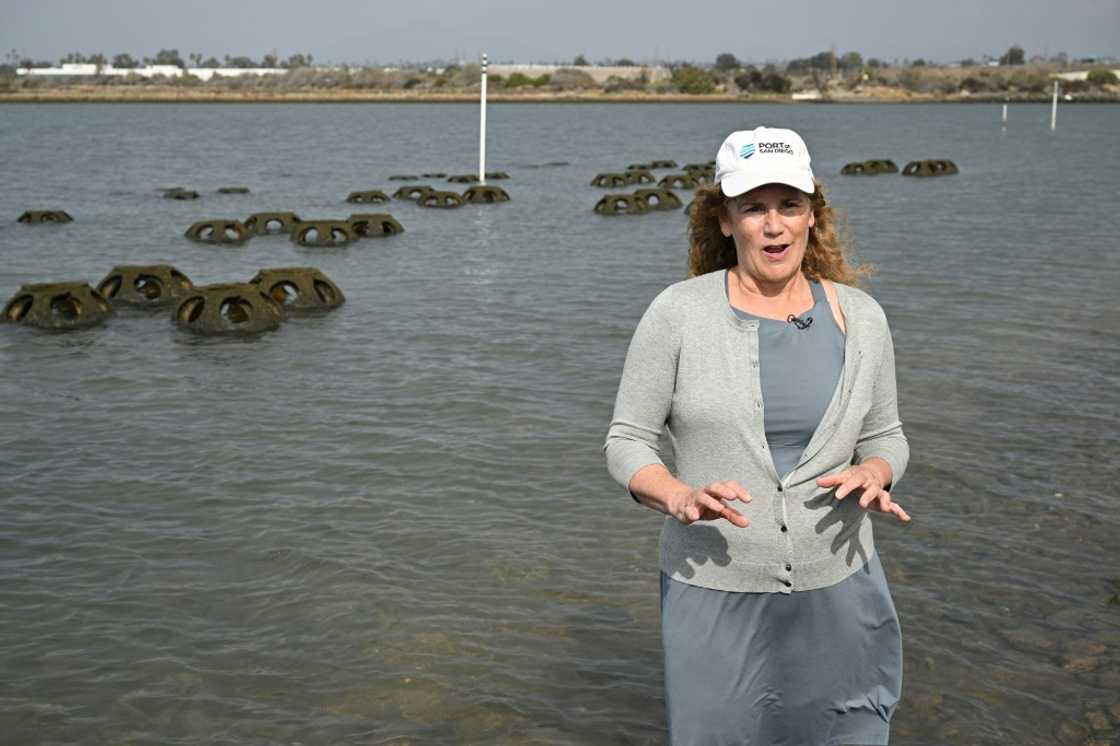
[692, 367]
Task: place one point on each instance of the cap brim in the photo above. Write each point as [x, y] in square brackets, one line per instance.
[735, 184]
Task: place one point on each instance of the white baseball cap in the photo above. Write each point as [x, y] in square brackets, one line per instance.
[764, 155]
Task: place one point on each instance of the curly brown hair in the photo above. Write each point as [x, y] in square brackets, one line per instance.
[826, 256]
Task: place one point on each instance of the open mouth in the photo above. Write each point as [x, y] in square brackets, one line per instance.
[775, 249]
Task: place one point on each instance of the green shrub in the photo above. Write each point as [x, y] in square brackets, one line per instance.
[912, 80]
[693, 80]
[615, 84]
[517, 80]
[749, 80]
[972, 85]
[186, 81]
[776, 83]
[1031, 83]
[567, 78]
[997, 82]
[1101, 76]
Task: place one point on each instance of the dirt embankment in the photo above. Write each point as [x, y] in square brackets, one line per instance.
[182, 94]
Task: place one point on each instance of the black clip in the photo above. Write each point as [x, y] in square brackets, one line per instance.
[800, 323]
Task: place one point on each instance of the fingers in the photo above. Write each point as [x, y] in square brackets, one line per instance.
[873, 492]
[706, 503]
[882, 503]
[712, 508]
[729, 490]
[853, 479]
[872, 497]
[855, 482]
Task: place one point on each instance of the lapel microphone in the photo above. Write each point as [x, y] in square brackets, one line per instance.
[800, 323]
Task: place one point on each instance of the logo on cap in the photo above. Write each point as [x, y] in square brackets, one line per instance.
[747, 151]
[775, 147]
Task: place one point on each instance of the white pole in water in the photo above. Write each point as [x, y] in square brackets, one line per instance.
[482, 129]
[1054, 108]
[1003, 122]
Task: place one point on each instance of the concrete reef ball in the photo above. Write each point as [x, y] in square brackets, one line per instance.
[869, 168]
[659, 199]
[686, 180]
[233, 308]
[463, 179]
[323, 233]
[219, 232]
[372, 197]
[639, 167]
[611, 180]
[930, 168]
[412, 192]
[180, 194]
[497, 175]
[662, 164]
[622, 204]
[708, 166]
[144, 285]
[441, 200]
[233, 190]
[38, 217]
[483, 195]
[640, 176]
[57, 306]
[403, 177]
[269, 223]
[435, 175]
[300, 289]
[884, 165]
[374, 224]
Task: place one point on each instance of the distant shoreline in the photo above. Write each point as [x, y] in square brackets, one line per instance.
[173, 95]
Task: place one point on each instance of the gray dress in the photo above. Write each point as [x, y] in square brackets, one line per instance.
[810, 668]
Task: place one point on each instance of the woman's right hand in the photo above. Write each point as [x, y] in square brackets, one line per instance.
[707, 504]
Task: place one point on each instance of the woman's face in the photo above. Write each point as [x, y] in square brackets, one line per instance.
[770, 225]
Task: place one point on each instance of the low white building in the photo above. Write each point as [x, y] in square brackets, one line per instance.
[1080, 75]
[147, 71]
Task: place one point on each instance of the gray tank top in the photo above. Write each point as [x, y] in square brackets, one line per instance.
[798, 370]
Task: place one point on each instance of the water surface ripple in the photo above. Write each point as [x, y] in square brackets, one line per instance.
[393, 524]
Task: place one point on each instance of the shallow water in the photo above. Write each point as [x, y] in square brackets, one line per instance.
[393, 524]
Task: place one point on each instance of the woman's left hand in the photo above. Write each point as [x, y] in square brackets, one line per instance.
[864, 477]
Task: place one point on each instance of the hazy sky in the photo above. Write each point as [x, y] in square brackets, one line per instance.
[362, 31]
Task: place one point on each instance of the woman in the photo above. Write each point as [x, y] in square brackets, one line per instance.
[776, 381]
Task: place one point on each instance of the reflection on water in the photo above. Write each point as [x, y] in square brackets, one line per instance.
[392, 523]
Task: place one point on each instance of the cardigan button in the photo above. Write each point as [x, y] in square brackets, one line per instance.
[789, 584]
[784, 529]
[779, 488]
